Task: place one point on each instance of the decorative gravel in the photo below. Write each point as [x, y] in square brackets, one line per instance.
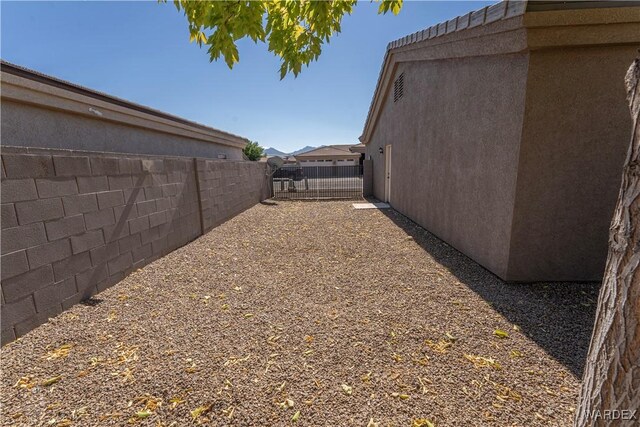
[310, 314]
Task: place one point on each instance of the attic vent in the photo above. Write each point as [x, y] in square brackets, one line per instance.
[398, 88]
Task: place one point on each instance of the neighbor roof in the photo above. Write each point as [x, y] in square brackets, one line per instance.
[328, 150]
[37, 77]
[469, 22]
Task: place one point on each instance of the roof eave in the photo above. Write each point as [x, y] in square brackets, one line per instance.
[511, 17]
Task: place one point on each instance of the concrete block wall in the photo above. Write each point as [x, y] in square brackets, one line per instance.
[74, 224]
[227, 188]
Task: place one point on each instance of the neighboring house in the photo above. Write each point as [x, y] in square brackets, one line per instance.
[329, 155]
[503, 132]
[45, 112]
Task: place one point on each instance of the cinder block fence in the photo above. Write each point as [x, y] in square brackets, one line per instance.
[75, 223]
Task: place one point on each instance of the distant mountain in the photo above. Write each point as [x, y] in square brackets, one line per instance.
[303, 150]
[273, 152]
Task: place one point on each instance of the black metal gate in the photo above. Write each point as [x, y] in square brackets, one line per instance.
[317, 182]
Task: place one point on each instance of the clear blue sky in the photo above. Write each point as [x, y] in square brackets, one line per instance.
[141, 52]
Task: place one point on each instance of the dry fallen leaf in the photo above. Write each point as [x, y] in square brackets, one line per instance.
[400, 396]
[422, 422]
[51, 381]
[480, 361]
[200, 410]
[25, 382]
[439, 347]
[348, 390]
[60, 352]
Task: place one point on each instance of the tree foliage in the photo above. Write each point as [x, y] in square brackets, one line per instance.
[293, 30]
[253, 151]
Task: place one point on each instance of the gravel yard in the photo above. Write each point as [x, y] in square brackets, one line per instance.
[309, 314]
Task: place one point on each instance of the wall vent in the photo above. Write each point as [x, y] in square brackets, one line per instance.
[398, 88]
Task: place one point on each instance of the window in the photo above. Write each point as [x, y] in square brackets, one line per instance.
[398, 88]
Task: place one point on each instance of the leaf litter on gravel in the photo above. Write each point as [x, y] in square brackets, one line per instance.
[333, 297]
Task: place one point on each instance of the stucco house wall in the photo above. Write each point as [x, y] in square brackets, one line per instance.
[509, 138]
[574, 141]
[455, 118]
[331, 155]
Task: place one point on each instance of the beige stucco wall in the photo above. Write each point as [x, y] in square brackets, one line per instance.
[455, 139]
[512, 155]
[574, 140]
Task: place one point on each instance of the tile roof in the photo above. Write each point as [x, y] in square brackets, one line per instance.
[486, 15]
[328, 150]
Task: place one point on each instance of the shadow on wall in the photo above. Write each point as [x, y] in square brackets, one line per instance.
[558, 316]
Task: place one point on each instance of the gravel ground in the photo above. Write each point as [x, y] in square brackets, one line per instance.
[310, 314]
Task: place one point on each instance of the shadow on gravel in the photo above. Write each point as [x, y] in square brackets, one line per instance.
[558, 316]
[91, 301]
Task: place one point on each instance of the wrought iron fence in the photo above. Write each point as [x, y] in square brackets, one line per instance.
[317, 182]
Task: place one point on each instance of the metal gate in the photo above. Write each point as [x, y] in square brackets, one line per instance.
[317, 182]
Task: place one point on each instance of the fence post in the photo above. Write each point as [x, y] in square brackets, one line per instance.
[195, 169]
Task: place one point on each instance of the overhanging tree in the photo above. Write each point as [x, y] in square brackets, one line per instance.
[611, 380]
[296, 30]
[293, 30]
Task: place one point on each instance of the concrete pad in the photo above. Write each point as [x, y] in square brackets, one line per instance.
[371, 206]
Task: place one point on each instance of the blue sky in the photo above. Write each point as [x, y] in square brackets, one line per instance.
[140, 51]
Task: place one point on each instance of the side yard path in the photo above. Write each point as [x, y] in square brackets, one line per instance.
[309, 314]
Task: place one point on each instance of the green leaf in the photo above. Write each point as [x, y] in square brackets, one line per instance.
[500, 333]
[296, 416]
[143, 414]
[294, 31]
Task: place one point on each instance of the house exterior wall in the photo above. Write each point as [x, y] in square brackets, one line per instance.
[509, 139]
[329, 162]
[76, 223]
[455, 136]
[574, 140]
